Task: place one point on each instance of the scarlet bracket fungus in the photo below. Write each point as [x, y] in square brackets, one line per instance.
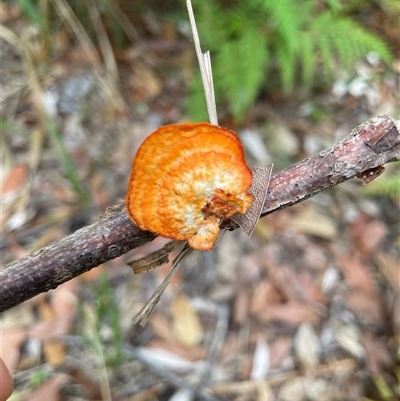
[185, 179]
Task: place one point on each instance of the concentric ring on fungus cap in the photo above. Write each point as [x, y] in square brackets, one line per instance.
[185, 179]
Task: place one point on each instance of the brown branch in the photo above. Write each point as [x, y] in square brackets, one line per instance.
[360, 154]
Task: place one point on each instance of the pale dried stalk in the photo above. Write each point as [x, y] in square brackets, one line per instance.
[154, 259]
[205, 69]
[66, 12]
[144, 315]
[160, 257]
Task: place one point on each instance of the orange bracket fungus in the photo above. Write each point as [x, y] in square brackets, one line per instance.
[185, 179]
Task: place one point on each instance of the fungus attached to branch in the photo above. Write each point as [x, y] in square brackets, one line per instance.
[185, 179]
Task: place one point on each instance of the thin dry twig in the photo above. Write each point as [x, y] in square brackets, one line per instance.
[367, 147]
[144, 315]
[250, 386]
[104, 42]
[65, 11]
[154, 259]
[200, 391]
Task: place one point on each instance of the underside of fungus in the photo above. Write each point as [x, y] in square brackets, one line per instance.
[185, 179]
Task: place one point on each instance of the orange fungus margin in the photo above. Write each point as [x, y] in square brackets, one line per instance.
[185, 179]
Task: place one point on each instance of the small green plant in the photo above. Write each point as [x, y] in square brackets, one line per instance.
[102, 324]
[384, 390]
[251, 39]
[39, 377]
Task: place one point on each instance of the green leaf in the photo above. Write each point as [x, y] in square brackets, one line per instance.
[31, 10]
[241, 69]
[286, 19]
[334, 5]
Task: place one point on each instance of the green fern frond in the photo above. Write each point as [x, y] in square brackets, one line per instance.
[31, 11]
[334, 5]
[363, 41]
[342, 41]
[211, 24]
[307, 57]
[286, 64]
[284, 18]
[325, 46]
[241, 67]
[254, 36]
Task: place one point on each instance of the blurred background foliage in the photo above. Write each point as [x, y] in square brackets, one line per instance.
[307, 43]
[255, 45]
[84, 82]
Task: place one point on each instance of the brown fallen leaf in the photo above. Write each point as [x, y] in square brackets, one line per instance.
[371, 236]
[14, 181]
[312, 222]
[241, 306]
[265, 293]
[57, 317]
[296, 285]
[367, 307]
[292, 313]
[194, 353]
[390, 269]
[307, 347]
[378, 356]
[279, 349]
[355, 272]
[186, 325]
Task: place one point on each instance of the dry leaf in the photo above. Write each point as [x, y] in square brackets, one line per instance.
[293, 313]
[378, 356]
[259, 190]
[54, 352]
[356, 272]
[367, 307]
[307, 347]
[372, 236]
[186, 325]
[192, 354]
[298, 286]
[293, 390]
[314, 223]
[56, 320]
[144, 83]
[264, 294]
[279, 349]
[241, 306]
[14, 181]
[159, 323]
[390, 268]
[166, 359]
[261, 360]
[264, 392]
[348, 337]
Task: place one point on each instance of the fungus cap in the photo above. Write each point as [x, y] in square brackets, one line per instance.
[185, 179]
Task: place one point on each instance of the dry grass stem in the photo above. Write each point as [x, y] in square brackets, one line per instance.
[154, 259]
[205, 69]
[144, 315]
[112, 92]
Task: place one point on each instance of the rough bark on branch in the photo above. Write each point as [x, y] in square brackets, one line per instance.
[360, 154]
